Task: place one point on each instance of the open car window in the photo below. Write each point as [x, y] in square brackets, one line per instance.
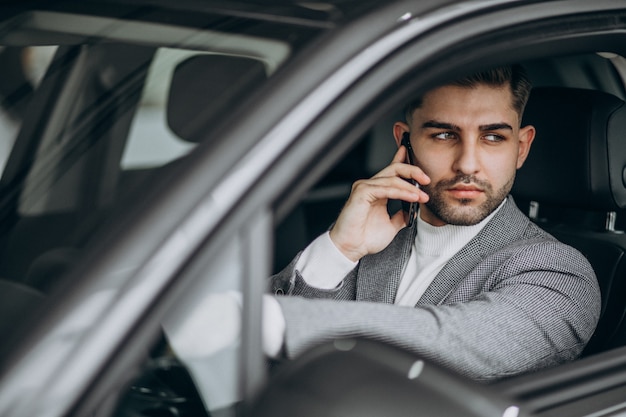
[318, 209]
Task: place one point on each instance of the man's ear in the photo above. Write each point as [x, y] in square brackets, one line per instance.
[399, 129]
[526, 137]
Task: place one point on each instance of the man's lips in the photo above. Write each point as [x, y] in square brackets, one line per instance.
[465, 191]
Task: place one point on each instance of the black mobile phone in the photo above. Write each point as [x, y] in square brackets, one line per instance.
[412, 209]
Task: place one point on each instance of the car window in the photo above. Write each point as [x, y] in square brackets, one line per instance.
[89, 125]
[118, 114]
[215, 372]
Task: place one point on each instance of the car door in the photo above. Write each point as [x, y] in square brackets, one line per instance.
[344, 123]
[237, 190]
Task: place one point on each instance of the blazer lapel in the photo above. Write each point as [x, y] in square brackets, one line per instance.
[460, 265]
[379, 274]
[505, 227]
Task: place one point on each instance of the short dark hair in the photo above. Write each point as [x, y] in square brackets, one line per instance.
[513, 75]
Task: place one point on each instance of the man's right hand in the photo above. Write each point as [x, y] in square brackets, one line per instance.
[364, 226]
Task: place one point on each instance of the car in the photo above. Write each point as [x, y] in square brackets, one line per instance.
[159, 153]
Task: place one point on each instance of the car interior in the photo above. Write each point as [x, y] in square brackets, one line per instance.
[572, 185]
[575, 173]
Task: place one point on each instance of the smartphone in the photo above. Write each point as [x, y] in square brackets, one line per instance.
[406, 142]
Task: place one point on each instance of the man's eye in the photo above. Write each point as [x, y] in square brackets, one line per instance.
[492, 137]
[444, 135]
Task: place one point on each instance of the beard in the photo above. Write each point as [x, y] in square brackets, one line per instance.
[465, 213]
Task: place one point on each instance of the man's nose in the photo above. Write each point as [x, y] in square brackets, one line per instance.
[467, 158]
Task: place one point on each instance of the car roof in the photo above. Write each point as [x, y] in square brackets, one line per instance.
[318, 13]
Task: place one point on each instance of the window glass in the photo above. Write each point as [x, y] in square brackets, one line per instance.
[117, 113]
[111, 106]
[204, 329]
[195, 367]
[122, 101]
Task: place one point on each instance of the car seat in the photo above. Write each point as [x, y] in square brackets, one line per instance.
[573, 184]
[203, 88]
[206, 86]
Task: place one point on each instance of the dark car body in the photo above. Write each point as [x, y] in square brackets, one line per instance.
[161, 151]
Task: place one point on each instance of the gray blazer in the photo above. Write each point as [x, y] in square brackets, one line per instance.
[514, 299]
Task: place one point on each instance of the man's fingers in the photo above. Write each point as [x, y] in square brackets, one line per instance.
[411, 172]
[399, 168]
[384, 188]
[400, 155]
[364, 226]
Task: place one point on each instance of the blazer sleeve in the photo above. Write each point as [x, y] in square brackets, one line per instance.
[290, 282]
[538, 308]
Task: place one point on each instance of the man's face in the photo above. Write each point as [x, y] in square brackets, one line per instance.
[468, 141]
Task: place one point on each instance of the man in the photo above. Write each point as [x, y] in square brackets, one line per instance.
[472, 284]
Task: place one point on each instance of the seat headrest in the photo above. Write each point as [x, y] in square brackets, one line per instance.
[202, 85]
[578, 158]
